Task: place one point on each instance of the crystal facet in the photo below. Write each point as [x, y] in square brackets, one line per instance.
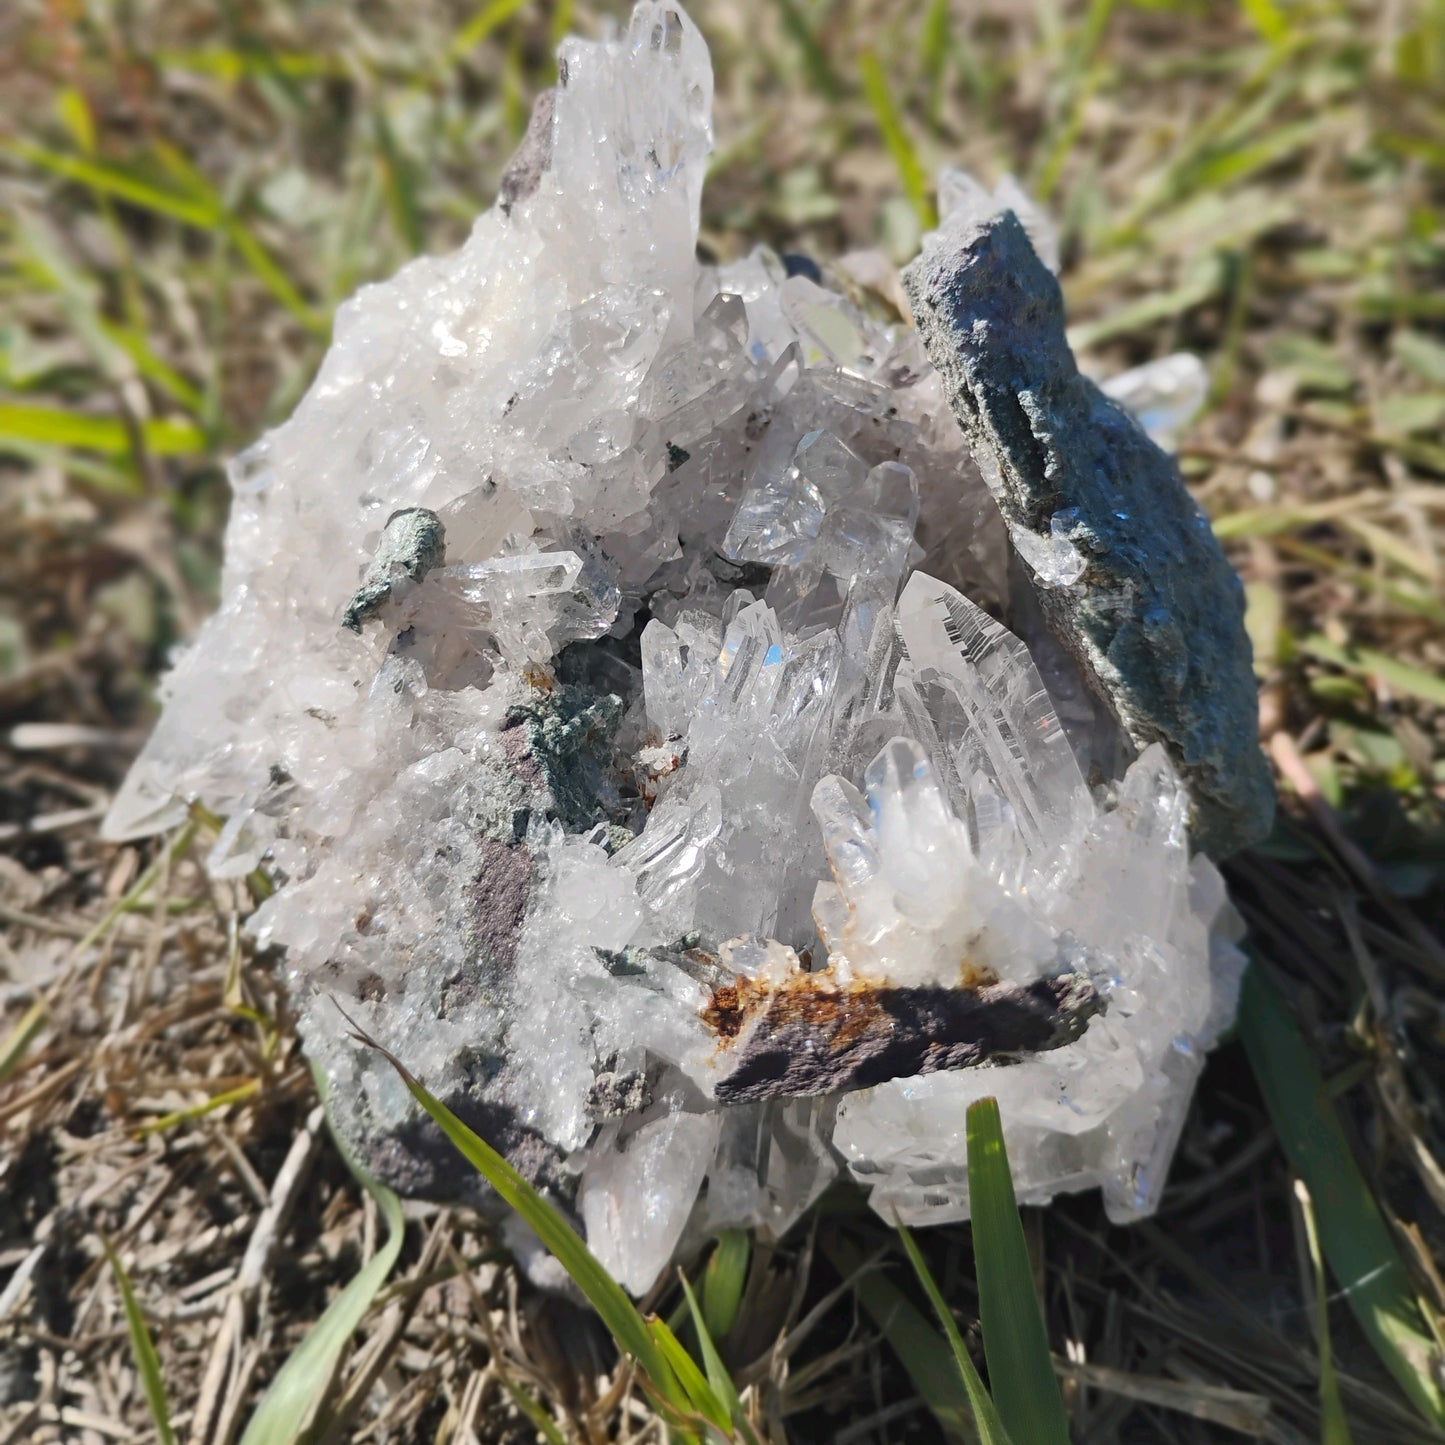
[617, 767]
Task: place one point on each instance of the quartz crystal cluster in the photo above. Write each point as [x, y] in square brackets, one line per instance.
[608, 677]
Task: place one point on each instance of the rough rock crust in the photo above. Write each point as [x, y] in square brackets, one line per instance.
[819, 1040]
[1157, 617]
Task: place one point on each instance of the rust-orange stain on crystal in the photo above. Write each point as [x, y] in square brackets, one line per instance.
[843, 1013]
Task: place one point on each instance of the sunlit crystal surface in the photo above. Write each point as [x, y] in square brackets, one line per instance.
[608, 633]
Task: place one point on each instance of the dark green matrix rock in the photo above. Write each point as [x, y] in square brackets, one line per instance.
[1156, 618]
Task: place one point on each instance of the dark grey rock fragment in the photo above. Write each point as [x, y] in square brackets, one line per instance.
[499, 898]
[418, 1161]
[617, 1093]
[530, 162]
[805, 1040]
[1157, 618]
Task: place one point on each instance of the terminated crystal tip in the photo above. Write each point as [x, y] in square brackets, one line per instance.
[1134, 583]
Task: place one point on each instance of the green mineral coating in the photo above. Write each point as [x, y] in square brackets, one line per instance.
[568, 732]
[550, 751]
[412, 543]
[503, 802]
[624, 962]
[1157, 619]
[637, 958]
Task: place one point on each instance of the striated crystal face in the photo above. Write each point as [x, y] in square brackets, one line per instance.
[608, 674]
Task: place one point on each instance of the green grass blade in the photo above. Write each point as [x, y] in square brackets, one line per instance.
[1361, 660]
[895, 136]
[17, 1044]
[147, 1361]
[176, 847]
[1271, 521]
[306, 1375]
[223, 1100]
[724, 1280]
[701, 1397]
[150, 366]
[921, 1350]
[79, 293]
[1083, 76]
[991, 1429]
[1201, 282]
[400, 181]
[1421, 353]
[1268, 19]
[263, 265]
[1353, 1234]
[481, 25]
[124, 185]
[269, 272]
[79, 119]
[1020, 1368]
[718, 1377]
[542, 1422]
[562, 17]
[1334, 1426]
[815, 58]
[120, 478]
[606, 1296]
[1230, 167]
[935, 48]
[32, 425]
[1408, 599]
[230, 65]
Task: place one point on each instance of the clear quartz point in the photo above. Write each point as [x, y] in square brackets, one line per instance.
[1164, 395]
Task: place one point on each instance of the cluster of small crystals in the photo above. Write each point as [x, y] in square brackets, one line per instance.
[674, 686]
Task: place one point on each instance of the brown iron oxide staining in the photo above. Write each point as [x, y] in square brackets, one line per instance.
[811, 1000]
[666, 760]
[810, 1036]
[973, 975]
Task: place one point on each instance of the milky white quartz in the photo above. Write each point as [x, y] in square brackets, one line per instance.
[679, 664]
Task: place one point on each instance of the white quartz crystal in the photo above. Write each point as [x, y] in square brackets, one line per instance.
[1165, 395]
[661, 683]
